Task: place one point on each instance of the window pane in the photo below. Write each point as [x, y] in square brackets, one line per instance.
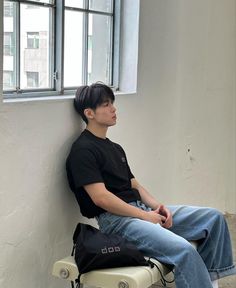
[101, 5]
[75, 3]
[32, 79]
[99, 52]
[73, 49]
[36, 44]
[33, 40]
[9, 51]
[8, 80]
[9, 43]
[8, 9]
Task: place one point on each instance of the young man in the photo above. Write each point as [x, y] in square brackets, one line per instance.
[105, 188]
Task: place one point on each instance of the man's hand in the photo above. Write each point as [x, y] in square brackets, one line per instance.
[163, 211]
[155, 218]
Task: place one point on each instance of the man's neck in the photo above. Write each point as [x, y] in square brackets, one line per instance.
[100, 132]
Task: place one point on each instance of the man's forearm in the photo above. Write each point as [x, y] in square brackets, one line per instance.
[115, 205]
[146, 197]
[111, 203]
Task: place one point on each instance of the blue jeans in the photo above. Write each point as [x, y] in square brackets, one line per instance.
[193, 269]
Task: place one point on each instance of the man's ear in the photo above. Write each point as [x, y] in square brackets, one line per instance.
[89, 113]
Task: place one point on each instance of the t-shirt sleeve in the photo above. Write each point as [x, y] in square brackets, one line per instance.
[131, 175]
[83, 168]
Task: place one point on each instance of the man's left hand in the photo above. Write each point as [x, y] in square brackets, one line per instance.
[164, 211]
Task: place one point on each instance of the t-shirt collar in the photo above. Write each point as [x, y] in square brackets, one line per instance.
[92, 136]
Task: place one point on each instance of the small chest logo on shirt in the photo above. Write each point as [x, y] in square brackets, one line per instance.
[123, 159]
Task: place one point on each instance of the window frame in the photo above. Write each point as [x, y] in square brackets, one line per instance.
[57, 74]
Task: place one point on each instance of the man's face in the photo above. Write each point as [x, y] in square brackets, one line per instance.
[105, 114]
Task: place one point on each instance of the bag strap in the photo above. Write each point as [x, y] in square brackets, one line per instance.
[78, 284]
[76, 232]
[75, 236]
[164, 281]
[73, 250]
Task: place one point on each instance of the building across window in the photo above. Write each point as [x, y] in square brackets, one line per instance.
[9, 46]
[8, 9]
[33, 40]
[32, 79]
[65, 43]
[8, 79]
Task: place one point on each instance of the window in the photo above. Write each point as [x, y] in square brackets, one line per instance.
[33, 40]
[34, 49]
[65, 43]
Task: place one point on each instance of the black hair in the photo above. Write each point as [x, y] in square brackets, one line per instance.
[91, 97]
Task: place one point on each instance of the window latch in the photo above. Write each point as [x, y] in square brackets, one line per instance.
[55, 75]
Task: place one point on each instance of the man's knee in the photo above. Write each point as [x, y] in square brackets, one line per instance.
[216, 212]
[216, 215]
[189, 251]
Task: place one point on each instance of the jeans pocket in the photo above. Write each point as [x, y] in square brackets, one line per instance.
[106, 222]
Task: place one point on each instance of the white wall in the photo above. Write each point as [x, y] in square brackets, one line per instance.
[185, 100]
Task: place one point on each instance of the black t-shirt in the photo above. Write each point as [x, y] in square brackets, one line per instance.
[96, 160]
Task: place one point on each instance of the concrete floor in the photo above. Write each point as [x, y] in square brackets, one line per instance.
[227, 282]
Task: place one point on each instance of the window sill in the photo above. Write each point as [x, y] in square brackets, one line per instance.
[54, 97]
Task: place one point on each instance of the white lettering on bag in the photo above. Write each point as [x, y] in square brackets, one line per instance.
[106, 250]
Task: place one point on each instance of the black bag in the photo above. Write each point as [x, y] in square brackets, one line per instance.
[96, 250]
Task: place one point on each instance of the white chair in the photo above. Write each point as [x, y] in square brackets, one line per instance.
[124, 277]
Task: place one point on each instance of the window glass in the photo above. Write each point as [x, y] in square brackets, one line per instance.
[33, 40]
[9, 44]
[8, 9]
[75, 3]
[73, 49]
[32, 79]
[100, 5]
[35, 46]
[8, 80]
[99, 40]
